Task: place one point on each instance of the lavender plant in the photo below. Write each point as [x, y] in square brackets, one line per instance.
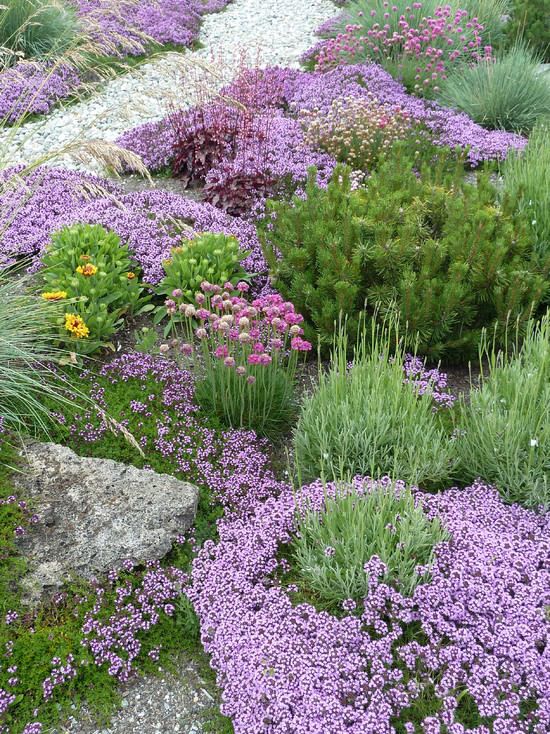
[364, 420]
[504, 434]
[332, 547]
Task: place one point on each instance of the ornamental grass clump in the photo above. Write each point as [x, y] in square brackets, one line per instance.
[36, 28]
[88, 270]
[332, 547]
[504, 433]
[505, 92]
[209, 257]
[249, 352]
[364, 419]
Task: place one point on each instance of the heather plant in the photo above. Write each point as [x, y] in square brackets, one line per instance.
[249, 352]
[88, 271]
[506, 92]
[364, 419]
[525, 179]
[332, 547]
[420, 49]
[214, 258]
[357, 130]
[36, 28]
[504, 433]
[441, 253]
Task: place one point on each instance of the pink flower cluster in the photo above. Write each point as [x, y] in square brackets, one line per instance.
[240, 332]
[433, 42]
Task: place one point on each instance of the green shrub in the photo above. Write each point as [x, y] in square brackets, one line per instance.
[531, 21]
[36, 28]
[88, 270]
[504, 432]
[508, 93]
[364, 420]
[214, 258]
[440, 253]
[526, 181]
[332, 546]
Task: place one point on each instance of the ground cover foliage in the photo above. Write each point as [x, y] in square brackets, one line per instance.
[326, 600]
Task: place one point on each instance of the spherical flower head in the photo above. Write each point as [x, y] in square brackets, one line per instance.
[221, 351]
[229, 362]
[296, 330]
[206, 287]
[200, 298]
[251, 379]
[265, 359]
[228, 286]
[216, 289]
[186, 349]
[244, 337]
[189, 310]
[217, 301]
[300, 345]
[201, 333]
[130, 275]
[177, 293]
[164, 348]
[241, 371]
[258, 348]
[242, 287]
[253, 359]
[202, 314]
[244, 322]
[276, 343]
[87, 270]
[54, 295]
[76, 326]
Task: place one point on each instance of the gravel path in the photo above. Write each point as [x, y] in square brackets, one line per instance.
[274, 31]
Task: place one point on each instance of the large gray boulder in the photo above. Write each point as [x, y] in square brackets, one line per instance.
[94, 514]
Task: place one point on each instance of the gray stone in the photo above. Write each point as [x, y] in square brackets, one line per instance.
[96, 513]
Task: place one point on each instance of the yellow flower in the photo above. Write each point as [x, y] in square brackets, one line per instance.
[75, 324]
[87, 270]
[54, 295]
[130, 275]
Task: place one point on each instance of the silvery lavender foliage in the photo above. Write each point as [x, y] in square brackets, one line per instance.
[483, 619]
[150, 222]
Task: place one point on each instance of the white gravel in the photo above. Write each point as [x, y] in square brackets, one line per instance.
[270, 31]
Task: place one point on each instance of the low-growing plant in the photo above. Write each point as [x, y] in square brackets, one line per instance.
[36, 28]
[506, 92]
[333, 546]
[504, 432]
[356, 130]
[364, 419]
[525, 177]
[214, 258]
[88, 270]
[442, 254]
[249, 352]
[417, 45]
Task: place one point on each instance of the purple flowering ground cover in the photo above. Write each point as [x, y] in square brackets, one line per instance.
[150, 222]
[116, 29]
[466, 654]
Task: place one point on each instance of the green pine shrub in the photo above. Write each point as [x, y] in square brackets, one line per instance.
[332, 546]
[527, 179]
[440, 253]
[364, 420]
[530, 20]
[508, 92]
[504, 432]
[36, 28]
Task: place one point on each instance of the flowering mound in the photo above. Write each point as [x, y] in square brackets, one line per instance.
[467, 653]
[151, 223]
[301, 92]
